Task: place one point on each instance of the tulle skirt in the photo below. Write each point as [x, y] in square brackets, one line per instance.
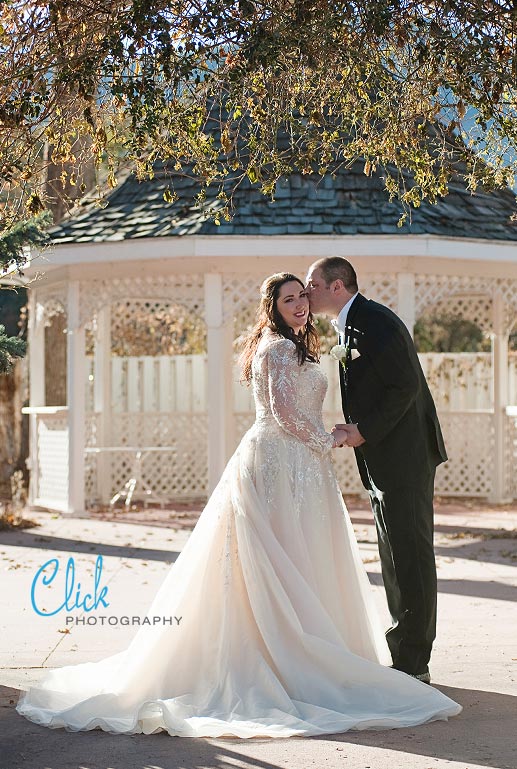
[277, 635]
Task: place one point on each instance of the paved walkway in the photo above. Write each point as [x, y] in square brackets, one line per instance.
[475, 658]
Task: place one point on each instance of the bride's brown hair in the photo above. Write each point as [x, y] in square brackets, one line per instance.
[268, 316]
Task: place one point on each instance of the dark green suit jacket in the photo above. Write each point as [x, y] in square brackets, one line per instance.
[385, 392]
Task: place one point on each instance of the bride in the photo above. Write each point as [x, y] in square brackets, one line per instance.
[278, 633]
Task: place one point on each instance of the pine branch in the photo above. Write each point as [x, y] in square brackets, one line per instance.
[15, 239]
[10, 347]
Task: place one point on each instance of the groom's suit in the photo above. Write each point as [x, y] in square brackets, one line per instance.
[384, 391]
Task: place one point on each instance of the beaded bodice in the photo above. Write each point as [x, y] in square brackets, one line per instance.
[289, 396]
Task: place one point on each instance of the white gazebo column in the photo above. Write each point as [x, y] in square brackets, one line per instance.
[499, 492]
[75, 386]
[36, 352]
[406, 299]
[219, 380]
[102, 399]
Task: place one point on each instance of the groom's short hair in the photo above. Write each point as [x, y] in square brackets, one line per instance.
[337, 268]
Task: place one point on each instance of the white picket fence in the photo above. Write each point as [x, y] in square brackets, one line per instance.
[177, 384]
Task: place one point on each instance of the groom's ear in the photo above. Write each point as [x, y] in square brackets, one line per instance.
[337, 285]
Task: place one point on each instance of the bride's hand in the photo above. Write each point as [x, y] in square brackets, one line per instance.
[340, 437]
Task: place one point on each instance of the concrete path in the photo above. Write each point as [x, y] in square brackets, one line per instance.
[474, 662]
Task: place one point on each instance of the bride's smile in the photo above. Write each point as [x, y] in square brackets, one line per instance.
[293, 305]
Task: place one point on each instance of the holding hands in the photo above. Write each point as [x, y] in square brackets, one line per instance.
[347, 435]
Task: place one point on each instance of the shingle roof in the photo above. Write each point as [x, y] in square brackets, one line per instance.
[346, 203]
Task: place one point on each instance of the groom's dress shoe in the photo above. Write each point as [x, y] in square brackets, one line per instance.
[424, 677]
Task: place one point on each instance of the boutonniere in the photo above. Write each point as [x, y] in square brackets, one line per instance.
[340, 352]
[343, 353]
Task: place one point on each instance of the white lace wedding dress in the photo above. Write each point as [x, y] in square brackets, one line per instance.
[278, 633]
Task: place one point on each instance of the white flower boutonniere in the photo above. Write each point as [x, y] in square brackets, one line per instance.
[344, 353]
[340, 352]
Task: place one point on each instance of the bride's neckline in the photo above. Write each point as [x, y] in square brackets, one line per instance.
[267, 331]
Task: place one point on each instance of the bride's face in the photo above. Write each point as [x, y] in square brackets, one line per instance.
[293, 304]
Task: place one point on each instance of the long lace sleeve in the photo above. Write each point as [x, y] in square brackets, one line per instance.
[284, 395]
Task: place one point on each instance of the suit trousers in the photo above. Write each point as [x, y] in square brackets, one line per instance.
[404, 522]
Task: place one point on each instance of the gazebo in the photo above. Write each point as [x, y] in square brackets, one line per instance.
[160, 426]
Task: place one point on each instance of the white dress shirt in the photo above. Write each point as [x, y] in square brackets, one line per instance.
[339, 323]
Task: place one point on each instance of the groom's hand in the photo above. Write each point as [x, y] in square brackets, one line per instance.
[353, 436]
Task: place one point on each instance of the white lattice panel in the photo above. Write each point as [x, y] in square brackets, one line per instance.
[90, 462]
[184, 290]
[467, 296]
[181, 472]
[50, 301]
[382, 288]
[52, 458]
[511, 456]
[241, 296]
[477, 309]
[469, 440]
[508, 288]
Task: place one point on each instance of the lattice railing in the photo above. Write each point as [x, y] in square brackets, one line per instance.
[177, 473]
[510, 455]
[469, 440]
[90, 462]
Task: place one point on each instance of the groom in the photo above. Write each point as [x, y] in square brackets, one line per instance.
[392, 424]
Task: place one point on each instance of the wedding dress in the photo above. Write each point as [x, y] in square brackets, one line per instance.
[278, 633]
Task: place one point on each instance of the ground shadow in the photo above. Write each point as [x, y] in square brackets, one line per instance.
[500, 550]
[453, 529]
[483, 735]
[24, 745]
[470, 543]
[471, 587]
[61, 544]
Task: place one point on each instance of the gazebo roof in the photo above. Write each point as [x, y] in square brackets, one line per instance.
[346, 203]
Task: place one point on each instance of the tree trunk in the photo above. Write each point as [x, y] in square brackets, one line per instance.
[14, 441]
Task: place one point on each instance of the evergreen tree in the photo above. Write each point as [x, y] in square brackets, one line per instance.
[10, 347]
